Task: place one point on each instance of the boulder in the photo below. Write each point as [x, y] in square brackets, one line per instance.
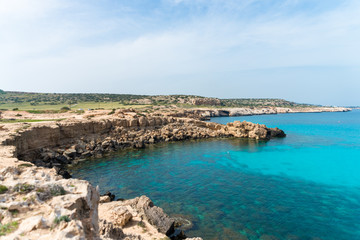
[105, 199]
[71, 153]
[121, 216]
[160, 220]
[108, 230]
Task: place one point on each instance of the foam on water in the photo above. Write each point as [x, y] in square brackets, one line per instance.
[305, 186]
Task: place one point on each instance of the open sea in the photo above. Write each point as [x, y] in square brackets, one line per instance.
[302, 187]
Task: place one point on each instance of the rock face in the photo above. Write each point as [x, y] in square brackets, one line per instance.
[47, 206]
[205, 114]
[138, 215]
[58, 144]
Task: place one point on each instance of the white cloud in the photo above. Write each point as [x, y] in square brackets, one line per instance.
[61, 53]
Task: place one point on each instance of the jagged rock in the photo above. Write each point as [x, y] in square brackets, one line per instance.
[143, 203]
[31, 223]
[107, 230]
[71, 153]
[110, 195]
[160, 220]
[105, 199]
[86, 154]
[276, 132]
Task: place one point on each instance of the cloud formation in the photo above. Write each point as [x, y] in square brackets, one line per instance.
[248, 48]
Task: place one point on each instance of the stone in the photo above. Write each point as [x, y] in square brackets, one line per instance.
[108, 230]
[70, 153]
[121, 216]
[32, 223]
[143, 203]
[160, 220]
[105, 199]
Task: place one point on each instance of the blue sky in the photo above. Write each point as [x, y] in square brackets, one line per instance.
[300, 50]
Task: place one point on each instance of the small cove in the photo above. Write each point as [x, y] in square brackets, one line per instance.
[305, 186]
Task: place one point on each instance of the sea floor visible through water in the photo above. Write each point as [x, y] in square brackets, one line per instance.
[302, 187]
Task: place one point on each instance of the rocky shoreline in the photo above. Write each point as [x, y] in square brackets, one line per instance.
[39, 200]
[59, 144]
[207, 113]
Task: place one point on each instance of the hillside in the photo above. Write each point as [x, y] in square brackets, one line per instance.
[55, 101]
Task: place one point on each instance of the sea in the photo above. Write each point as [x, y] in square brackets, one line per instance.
[305, 186]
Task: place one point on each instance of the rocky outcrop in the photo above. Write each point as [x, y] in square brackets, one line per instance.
[205, 114]
[45, 206]
[40, 204]
[205, 101]
[138, 215]
[59, 144]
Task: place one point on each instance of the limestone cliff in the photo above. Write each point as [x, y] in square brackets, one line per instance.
[38, 203]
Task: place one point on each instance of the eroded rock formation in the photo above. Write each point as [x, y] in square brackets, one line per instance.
[58, 144]
[41, 204]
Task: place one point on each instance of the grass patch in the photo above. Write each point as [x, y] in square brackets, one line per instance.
[57, 190]
[29, 120]
[3, 189]
[23, 165]
[23, 188]
[8, 228]
[46, 111]
[64, 218]
[141, 224]
[43, 107]
[112, 111]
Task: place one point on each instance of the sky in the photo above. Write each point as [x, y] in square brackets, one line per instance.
[301, 50]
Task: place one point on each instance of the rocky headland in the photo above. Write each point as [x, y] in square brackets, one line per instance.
[40, 200]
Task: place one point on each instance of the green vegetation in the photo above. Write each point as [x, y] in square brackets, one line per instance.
[8, 228]
[64, 218]
[57, 190]
[23, 165]
[28, 120]
[65, 109]
[112, 111]
[3, 189]
[23, 188]
[141, 224]
[56, 102]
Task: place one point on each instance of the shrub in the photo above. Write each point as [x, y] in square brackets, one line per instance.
[65, 109]
[8, 228]
[23, 188]
[3, 189]
[57, 190]
[112, 111]
[141, 224]
[15, 109]
[23, 165]
[64, 218]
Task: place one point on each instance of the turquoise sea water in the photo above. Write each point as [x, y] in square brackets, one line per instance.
[302, 187]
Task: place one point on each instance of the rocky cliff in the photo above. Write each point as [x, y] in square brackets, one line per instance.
[56, 144]
[207, 113]
[38, 203]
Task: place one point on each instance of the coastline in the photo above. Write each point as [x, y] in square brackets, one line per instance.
[25, 142]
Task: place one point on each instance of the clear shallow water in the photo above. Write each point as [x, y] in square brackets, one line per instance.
[305, 186]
